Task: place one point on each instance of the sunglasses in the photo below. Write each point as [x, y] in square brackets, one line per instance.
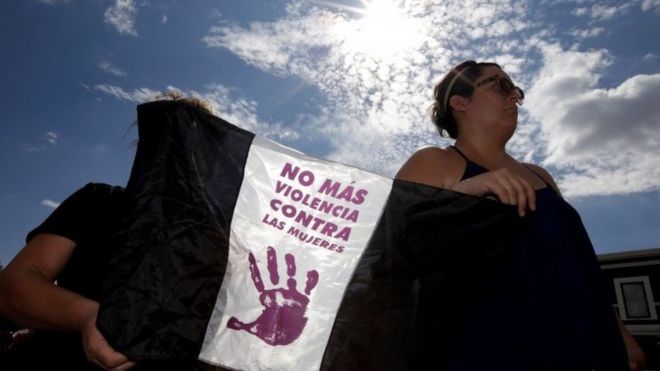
[504, 86]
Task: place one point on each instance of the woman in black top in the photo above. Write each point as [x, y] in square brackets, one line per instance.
[524, 323]
[73, 247]
[70, 247]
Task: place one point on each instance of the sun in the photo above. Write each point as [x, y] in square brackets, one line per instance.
[383, 31]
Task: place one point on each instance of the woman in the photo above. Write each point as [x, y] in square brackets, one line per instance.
[72, 247]
[477, 105]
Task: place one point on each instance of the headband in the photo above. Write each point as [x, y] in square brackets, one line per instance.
[451, 85]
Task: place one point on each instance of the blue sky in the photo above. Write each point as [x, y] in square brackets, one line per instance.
[344, 80]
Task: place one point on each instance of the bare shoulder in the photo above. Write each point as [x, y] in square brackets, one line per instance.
[434, 166]
[543, 173]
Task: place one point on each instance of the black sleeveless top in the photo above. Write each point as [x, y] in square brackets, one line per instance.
[548, 308]
[474, 169]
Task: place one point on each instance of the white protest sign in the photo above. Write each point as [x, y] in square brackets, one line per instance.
[299, 228]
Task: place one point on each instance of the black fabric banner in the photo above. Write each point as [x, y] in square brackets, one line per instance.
[432, 257]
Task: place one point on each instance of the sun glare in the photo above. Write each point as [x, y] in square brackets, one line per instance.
[384, 30]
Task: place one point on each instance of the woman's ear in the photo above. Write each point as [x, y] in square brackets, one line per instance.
[458, 103]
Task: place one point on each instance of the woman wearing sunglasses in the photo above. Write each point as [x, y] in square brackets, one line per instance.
[540, 312]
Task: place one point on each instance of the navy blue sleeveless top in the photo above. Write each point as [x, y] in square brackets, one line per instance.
[548, 307]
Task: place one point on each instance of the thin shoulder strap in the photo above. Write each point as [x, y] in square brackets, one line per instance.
[471, 167]
[461, 153]
[537, 174]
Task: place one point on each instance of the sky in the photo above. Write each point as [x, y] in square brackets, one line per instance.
[347, 80]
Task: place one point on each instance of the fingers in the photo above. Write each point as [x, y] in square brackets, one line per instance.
[521, 193]
[531, 195]
[505, 190]
[125, 366]
[101, 353]
[511, 190]
[290, 260]
[108, 357]
[312, 280]
[522, 197]
[272, 266]
[290, 265]
[114, 366]
[290, 270]
[254, 273]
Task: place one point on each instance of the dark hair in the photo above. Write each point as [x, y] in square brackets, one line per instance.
[458, 81]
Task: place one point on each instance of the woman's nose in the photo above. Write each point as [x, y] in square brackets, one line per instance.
[515, 96]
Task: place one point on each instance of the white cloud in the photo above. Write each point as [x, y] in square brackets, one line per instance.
[650, 4]
[51, 137]
[163, 19]
[50, 203]
[242, 112]
[377, 106]
[110, 68]
[602, 12]
[378, 93]
[587, 33]
[650, 57]
[580, 11]
[122, 16]
[139, 95]
[603, 141]
[239, 111]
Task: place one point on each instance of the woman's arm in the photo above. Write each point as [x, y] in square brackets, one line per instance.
[29, 297]
[636, 358]
[442, 168]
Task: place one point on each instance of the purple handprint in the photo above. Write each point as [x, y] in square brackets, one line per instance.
[283, 317]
